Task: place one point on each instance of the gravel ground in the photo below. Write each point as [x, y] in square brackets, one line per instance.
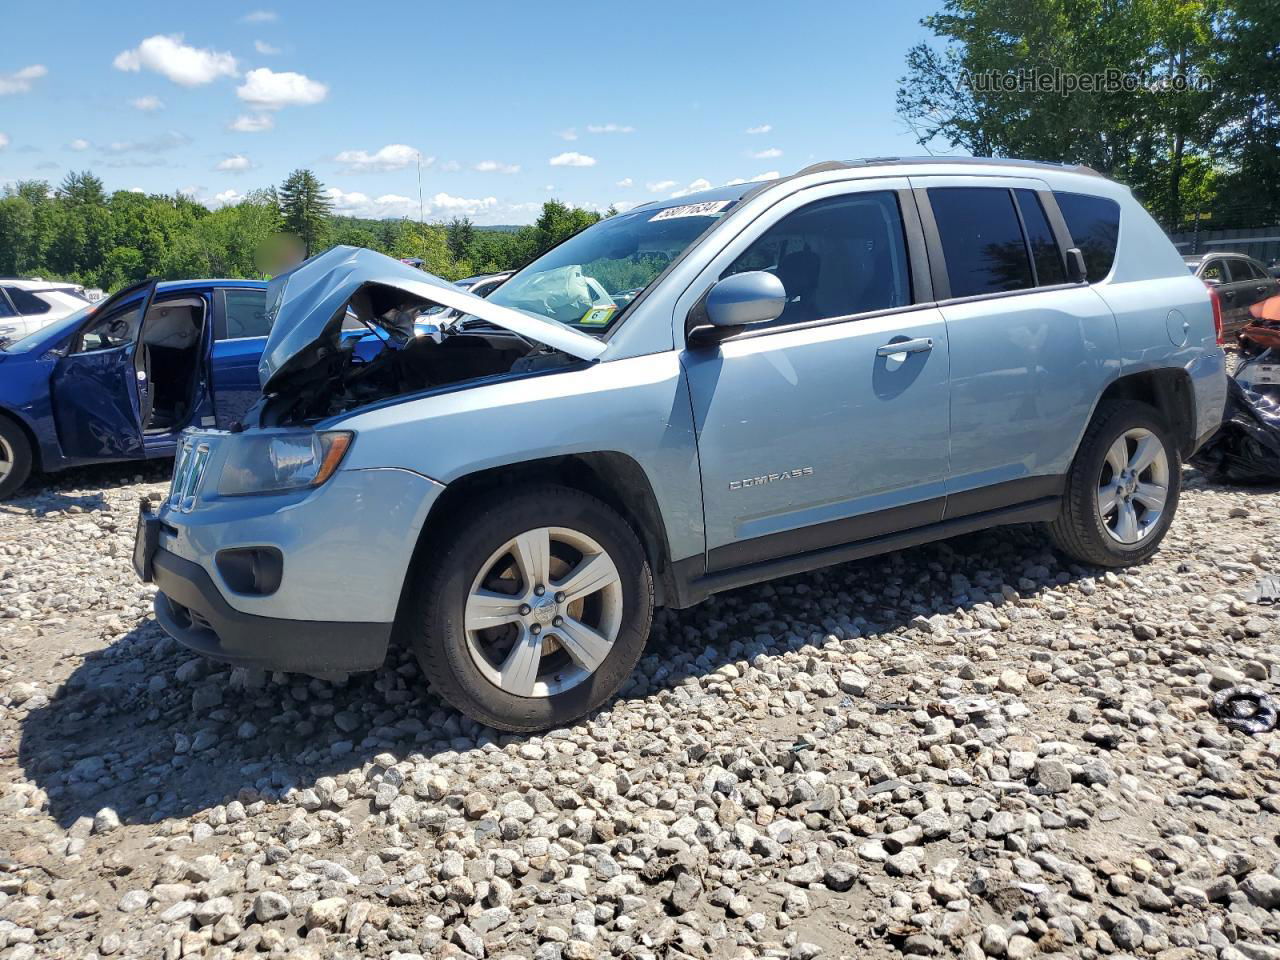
[966, 749]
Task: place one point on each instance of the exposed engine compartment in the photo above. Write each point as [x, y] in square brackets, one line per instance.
[345, 380]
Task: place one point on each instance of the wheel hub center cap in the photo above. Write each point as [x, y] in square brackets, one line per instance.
[544, 610]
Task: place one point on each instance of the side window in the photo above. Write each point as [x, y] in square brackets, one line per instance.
[1044, 247]
[351, 322]
[1094, 225]
[1213, 272]
[26, 302]
[1245, 270]
[246, 314]
[115, 329]
[5, 309]
[981, 240]
[835, 257]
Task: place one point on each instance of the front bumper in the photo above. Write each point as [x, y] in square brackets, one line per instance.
[193, 611]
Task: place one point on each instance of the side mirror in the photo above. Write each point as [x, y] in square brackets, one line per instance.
[734, 302]
[1076, 271]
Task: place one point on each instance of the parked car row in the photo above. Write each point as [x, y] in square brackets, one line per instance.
[857, 358]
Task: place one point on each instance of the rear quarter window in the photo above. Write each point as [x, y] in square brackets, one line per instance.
[1094, 225]
[26, 302]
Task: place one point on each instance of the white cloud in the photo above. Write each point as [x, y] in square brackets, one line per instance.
[4, 140]
[79, 143]
[252, 123]
[443, 201]
[136, 190]
[700, 184]
[572, 159]
[763, 128]
[357, 204]
[769, 154]
[191, 191]
[767, 175]
[657, 186]
[570, 134]
[394, 156]
[622, 206]
[227, 198]
[147, 104]
[235, 163]
[492, 166]
[184, 65]
[450, 166]
[268, 90]
[625, 182]
[260, 16]
[609, 128]
[20, 81]
[265, 48]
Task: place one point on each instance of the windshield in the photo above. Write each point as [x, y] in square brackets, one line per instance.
[589, 279]
[50, 331]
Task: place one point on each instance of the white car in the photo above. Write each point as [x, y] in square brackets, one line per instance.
[28, 305]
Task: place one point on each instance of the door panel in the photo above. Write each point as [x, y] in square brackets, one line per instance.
[97, 407]
[235, 378]
[802, 434]
[1025, 373]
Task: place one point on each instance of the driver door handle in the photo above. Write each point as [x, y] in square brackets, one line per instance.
[919, 345]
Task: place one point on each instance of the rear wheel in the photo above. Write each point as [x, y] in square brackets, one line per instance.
[1123, 487]
[15, 457]
[536, 610]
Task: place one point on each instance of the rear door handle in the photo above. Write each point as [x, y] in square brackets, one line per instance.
[919, 345]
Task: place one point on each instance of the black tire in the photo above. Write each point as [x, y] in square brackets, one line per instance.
[435, 609]
[15, 450]
[1079, 530]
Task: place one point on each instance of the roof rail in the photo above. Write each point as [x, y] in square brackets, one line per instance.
[976, 161]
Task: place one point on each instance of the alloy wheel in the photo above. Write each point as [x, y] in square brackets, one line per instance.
[544, 612]
[6, 458]
[1133, 486]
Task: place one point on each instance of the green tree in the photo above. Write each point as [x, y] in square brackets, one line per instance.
[1142, 130]
[305, 209]
[558, 222]
[461, 234]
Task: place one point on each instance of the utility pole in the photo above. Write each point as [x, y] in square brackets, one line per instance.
[422, 227]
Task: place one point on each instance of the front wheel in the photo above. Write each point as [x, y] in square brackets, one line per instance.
[535, 611]
[15, 457]
[1122, 490]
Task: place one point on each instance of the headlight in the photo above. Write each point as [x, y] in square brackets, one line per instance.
[273, 462]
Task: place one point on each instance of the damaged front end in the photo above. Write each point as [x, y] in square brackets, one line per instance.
[316, 364]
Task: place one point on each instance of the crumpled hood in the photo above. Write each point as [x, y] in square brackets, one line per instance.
[306, 307]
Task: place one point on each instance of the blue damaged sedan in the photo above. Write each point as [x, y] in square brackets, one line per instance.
[122, 378]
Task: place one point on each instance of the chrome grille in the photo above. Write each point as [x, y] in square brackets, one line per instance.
[188, 470]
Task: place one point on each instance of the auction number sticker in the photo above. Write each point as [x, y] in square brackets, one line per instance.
[597, 316]
[708, 208]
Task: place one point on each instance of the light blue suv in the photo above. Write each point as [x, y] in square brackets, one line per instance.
[858, 358]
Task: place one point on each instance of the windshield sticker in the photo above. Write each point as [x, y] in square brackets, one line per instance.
[708, 208]
[597, 316]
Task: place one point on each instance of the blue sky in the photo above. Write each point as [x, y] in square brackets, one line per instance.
[507, 103]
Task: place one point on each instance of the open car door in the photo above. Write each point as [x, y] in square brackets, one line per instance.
[97, 389]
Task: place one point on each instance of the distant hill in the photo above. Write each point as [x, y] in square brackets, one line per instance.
[370, 224]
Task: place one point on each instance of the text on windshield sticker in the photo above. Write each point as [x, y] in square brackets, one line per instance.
[597, 316]
[708, 208]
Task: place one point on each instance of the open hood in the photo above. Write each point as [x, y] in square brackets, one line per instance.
[306, 307]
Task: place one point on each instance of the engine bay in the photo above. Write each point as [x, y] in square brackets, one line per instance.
[405, 364]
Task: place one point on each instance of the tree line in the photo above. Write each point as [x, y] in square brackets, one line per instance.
[1188, 114]
[80, 233]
